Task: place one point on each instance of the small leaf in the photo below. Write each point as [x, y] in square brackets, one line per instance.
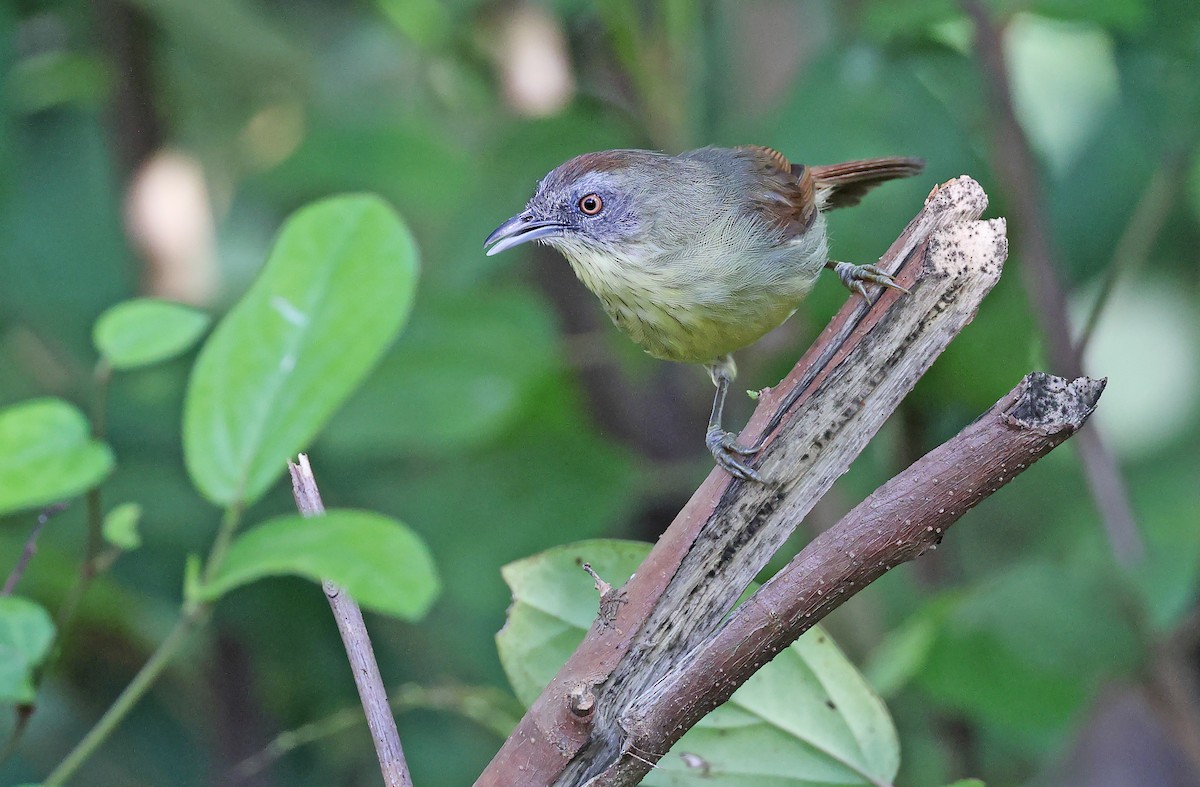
[337, 289]
[120, 526]
[144, 331]
[807, 717]
[554, 603]
[25, 636]
[47, 454]
[377, 560]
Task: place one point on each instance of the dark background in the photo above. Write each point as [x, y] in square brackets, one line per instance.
[154, 147]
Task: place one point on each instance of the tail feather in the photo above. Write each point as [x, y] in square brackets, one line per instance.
[843, 185]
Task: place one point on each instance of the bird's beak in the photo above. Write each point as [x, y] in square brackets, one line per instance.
[520, 229]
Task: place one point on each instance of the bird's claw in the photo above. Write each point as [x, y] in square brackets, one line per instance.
[853, 276]
[726, 449]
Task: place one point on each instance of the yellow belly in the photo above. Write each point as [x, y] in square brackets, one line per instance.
[699, 303]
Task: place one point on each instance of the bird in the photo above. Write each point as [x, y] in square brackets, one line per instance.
[697, 255]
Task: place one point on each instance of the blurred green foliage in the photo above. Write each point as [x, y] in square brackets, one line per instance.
[509, 417]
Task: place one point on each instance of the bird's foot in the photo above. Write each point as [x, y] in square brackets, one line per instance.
[853, 276]
[726, 450]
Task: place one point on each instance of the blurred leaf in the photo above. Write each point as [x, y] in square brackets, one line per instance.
[1117, 14]
[1164, 494]
[464, 370]
[26, 633]
[144, 331]
[903, 652]
[336, 290]
[967, 783]
[806, 714]
[1024, 648]
[47, 79]
[410, 162]
[379, 561]
[120, 526]
[1064, 81]
[58, 276]
[891, 19]
[427, 22]
[47, 454]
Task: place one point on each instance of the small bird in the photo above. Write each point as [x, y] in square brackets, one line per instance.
[697, 255]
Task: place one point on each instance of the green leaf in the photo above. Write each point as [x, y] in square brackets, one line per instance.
[47, 454]
[26, 632]
[337, 289]
[144, 331]
[807, 717]
[967, 783]
[120, 526]
[554, 604]
[377, 560]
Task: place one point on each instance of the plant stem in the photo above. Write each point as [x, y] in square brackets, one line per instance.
[136, 689]
[229, 526]
[192, 617]
[95, 509]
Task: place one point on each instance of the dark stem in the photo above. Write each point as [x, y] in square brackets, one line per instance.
[1017, 171]
[30, 548]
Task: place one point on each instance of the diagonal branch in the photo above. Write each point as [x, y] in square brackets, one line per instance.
[901, 521]
[818, 420]
[359, 652]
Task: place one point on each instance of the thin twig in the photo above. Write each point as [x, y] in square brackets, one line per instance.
[30, 549]
[1017, 171]
[358, 646]
[141, 683]
[1137, 240]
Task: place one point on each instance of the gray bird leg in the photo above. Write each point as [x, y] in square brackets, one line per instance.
[853, 276]
[722, 444]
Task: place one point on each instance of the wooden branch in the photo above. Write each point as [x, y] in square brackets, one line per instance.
[353, 629]
[902, 520]
[818, 420]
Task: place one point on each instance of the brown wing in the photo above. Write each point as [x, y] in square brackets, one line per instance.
[848, 182]
[786, 196]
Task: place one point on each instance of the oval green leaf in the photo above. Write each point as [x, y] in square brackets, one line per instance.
[144, 331]
[384, 565]
[808, 717]
[337, 289]
[26, 632]
[47, 454]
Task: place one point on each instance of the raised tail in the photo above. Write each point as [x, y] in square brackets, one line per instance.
[843, 185]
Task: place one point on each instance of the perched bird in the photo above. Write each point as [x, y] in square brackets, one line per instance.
[697, 255]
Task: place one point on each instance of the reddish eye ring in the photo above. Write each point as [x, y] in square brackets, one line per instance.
[591, 204]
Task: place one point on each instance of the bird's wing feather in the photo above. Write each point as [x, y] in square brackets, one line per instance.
[846, 183]
[785, 196]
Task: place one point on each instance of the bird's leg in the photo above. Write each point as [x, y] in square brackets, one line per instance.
[722, 444]
[853, 276]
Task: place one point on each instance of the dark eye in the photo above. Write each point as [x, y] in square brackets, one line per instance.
[591, 204]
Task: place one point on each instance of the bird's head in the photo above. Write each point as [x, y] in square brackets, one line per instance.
[593, 204]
